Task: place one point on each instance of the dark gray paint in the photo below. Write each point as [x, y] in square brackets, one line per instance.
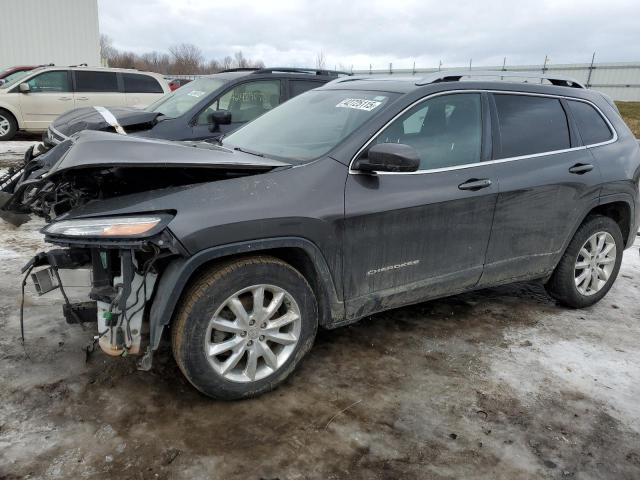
[516, 228]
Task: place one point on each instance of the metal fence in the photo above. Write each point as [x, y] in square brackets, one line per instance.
[621, 81]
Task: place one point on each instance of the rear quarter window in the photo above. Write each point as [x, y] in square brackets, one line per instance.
[301, 86]
[593, 128]
[530, 125]
[96, 81]
[139, 83]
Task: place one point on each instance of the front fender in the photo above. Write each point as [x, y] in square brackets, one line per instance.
[13, 110]
[178, 273]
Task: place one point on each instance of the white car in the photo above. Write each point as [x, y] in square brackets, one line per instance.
[31, 102]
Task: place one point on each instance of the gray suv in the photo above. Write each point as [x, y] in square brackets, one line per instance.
[360, 196]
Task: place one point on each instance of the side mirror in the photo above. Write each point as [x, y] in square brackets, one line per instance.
[24, 88]
[219, 117]
[389, 157]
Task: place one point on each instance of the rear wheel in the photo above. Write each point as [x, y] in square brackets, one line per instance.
[8, 125]
[590, 264]
[243, 327]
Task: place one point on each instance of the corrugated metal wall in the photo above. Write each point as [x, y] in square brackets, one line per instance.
[621, 81]
[64, 32]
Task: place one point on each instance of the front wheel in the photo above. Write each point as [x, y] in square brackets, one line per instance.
[8, 125]
[590, 264]
[243, 327]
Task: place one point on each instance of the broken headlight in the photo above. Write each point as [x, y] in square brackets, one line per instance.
[110, 227]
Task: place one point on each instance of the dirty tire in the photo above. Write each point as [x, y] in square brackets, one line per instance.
[8, 125]
[207, 293]
[562, 286]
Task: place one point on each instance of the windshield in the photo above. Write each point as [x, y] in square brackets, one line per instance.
[184, 98]
[13, 78]
[310, 124]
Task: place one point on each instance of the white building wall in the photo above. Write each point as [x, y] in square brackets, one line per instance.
[63, 32]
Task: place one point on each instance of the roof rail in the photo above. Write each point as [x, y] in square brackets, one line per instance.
[309, 71]
[456, 75]
[241, 69]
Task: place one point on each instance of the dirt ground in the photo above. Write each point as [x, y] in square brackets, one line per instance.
[496, 384]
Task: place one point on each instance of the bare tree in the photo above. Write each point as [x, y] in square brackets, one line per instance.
[187, 58]
[239, 60]
[321, 60]
[182, 59]
[107, 51]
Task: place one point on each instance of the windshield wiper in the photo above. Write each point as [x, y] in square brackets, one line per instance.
[248, 151]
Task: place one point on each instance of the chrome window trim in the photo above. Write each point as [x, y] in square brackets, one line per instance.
[488, 162]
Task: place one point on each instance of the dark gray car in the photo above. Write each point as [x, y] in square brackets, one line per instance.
[360, 196]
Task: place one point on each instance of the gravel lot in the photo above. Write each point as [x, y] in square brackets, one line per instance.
[495, 384]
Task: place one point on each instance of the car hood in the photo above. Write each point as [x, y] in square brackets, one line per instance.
[93, 166]
[90, 118]
[104, 149]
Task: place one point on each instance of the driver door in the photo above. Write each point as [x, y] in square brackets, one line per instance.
[245, 101]
[414, 236]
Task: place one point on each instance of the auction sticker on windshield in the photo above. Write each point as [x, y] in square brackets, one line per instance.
[358, 104]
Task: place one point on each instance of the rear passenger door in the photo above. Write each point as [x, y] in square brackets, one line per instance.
[547, 179]
[95, 88]
[140, 90]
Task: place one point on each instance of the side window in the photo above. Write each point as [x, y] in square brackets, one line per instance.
[593, 128]
[139, 83]
[96, 81]
[54, 81]
[301, 86]
[246, 101]
[446, 130]
[530, 124]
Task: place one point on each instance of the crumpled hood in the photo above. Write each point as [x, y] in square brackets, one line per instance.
[94, 166]
[104, 149]
[88, 118]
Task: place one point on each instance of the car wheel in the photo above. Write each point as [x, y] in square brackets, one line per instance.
[590, 264]
[8, 125]
[242, 327]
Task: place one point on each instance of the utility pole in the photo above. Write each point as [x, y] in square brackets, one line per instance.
[470, 62]
[390, 68]
[414, 68]
[440, 65]
[370, 68]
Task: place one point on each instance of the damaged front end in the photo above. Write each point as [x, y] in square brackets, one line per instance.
[109, 201]
[125, 264]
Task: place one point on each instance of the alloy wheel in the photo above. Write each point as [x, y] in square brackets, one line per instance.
[5, 126]
[253, 333]
[595, 262]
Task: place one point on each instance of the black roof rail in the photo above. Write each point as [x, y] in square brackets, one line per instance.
[456, 75]
[311, 71]
[241, 69]
[308, 71]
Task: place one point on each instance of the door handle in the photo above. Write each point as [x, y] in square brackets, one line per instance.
[580, 168]
[64, 99]
[82, 98]
[475, 184]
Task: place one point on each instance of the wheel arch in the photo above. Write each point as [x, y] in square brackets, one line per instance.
[300, 253]
[14, 112]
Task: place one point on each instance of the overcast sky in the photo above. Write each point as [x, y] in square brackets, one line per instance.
[360, 32]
